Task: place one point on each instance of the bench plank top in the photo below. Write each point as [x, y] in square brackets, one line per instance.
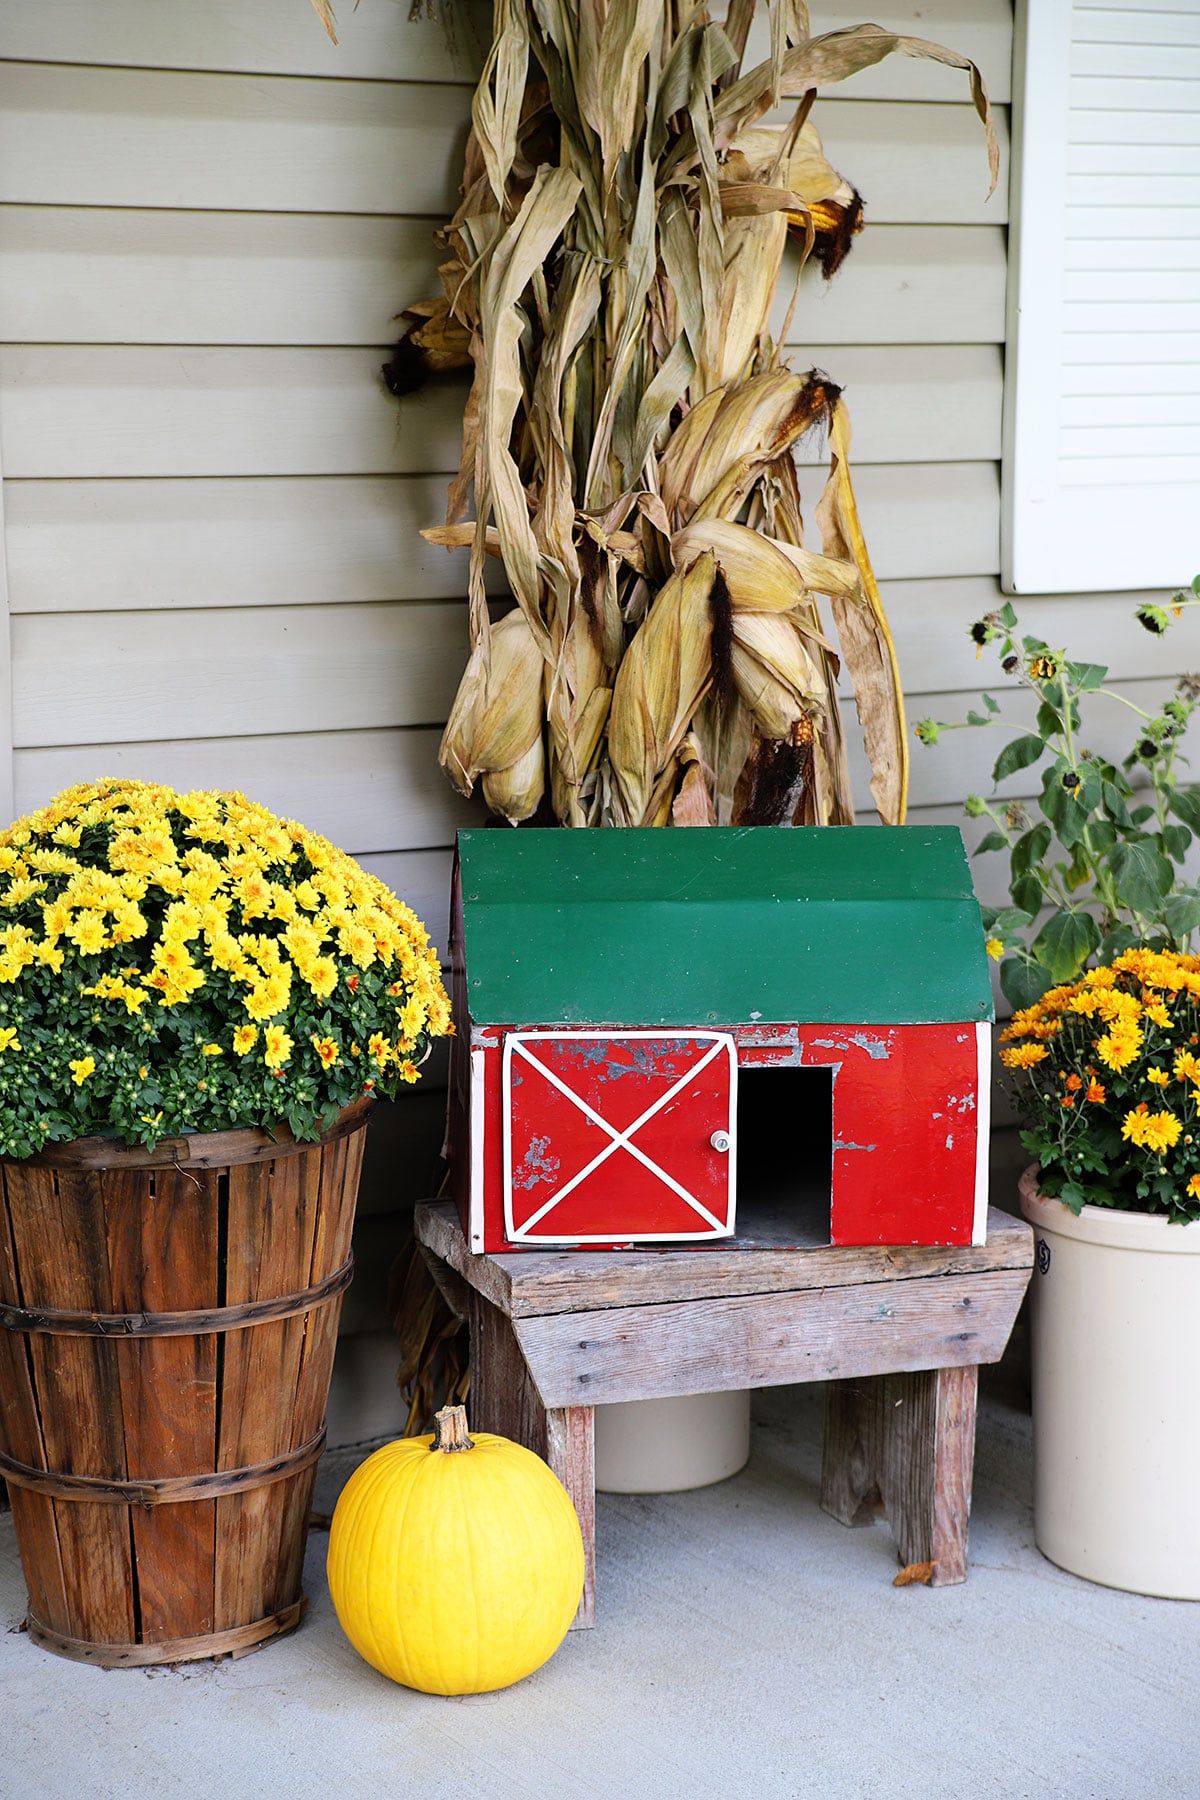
[537, 1282]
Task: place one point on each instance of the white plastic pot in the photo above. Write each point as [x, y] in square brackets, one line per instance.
[1116, 1395]
[664, 1446]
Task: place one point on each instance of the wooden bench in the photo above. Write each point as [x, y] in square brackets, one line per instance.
[898, 1333]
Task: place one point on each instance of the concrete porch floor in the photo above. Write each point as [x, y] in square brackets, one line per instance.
[746, 1645]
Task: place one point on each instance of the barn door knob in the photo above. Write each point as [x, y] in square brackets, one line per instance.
[720, 1141]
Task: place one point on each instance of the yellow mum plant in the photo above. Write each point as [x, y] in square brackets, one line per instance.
[1107, 1078]
[173, 963]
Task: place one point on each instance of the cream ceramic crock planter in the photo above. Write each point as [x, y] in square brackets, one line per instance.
[1116, 1395]
[666, 1446]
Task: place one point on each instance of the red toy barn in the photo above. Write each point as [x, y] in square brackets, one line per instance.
[682, 1036]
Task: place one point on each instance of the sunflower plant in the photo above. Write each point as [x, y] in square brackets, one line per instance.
[174, 963]
[1107, 865]
[1106, 1076]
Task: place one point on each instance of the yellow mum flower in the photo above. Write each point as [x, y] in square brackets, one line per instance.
[322, 976]
[1021, 1056]
[1193, 1186]
[1187, 1066]
[1151, 1131]
[24, 889]
[326, 1049]
[244, 1038]
[277, 1046]
[88, 931]
[211, 1050]
[1158, 1077]
[81, 1069]
[378, 1048]
[1119, 1046]
[8, 1038]
[1156, 1011]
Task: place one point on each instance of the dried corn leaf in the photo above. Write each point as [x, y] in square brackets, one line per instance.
[523, 249]
[862, 628]
[324, 12]
[832, 57]
[500, 95]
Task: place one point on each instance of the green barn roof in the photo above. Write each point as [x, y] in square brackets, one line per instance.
[721, 926]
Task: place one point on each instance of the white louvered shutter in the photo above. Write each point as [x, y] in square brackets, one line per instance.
[1102, 426]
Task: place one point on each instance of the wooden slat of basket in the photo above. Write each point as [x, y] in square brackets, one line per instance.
[62, 1263]
[267, 1252]
[162, 1247]
[21, 1435]
[330, 1204]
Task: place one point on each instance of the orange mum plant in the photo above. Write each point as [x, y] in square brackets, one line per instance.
[1107, 1078]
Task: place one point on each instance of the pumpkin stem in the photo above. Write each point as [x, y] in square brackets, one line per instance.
[450, 1429]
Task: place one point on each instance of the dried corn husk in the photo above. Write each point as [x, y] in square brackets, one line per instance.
[496, 725]
[629, 433]
[663, 677]
[776, 678]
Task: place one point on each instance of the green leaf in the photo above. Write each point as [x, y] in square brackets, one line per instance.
[1140, 814]
[1080, 871]
[975, 718]
[1049, 720]
[1091, 787]
[1030, 849]
[1018, 755]
[1114, 805]
[1027, 893]
[993, 706]
[1010, 918]
[1142, 875]
[1022, 983]
[1061, 807]
[995, 840]
[1008, 616]
[1184, 802]
[1101, 836]
[1175, 841]
[1182, 914]
[1065, 942]
[1086, 676]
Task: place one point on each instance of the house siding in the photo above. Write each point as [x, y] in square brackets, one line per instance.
[209, 217]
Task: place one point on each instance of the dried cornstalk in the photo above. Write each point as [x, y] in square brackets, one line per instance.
[628, 440]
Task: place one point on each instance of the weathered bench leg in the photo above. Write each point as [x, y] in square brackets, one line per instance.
[504, 1399]
[905, 1445]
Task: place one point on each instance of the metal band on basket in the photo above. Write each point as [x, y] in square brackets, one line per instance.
[176, 1324]
[165, 1489]
[235, 1641]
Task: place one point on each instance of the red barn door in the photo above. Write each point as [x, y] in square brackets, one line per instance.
[619, 1137]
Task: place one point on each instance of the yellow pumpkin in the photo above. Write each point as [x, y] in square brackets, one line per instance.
[455, 1564]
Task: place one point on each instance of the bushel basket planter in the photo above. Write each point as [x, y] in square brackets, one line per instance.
[168, 1320]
